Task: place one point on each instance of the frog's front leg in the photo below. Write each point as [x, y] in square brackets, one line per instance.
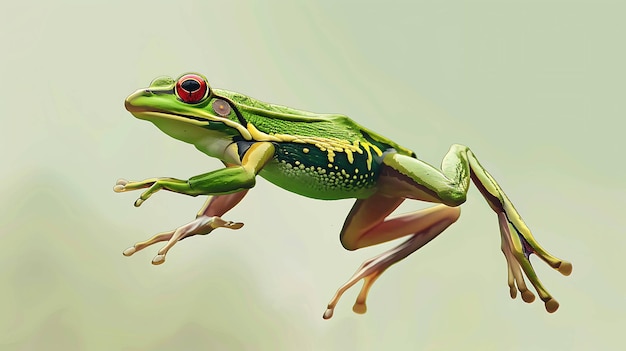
[221, 181]
[230, 183]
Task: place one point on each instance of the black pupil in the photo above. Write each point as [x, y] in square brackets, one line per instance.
[190, 85]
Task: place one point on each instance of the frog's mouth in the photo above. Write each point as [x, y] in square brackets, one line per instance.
[146, 113]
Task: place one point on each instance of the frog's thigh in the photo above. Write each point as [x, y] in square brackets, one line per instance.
[367, 224]
[408, 177]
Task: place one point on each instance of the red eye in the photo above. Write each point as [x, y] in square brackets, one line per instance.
[191, 88]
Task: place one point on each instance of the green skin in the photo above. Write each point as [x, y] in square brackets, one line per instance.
[323, 156]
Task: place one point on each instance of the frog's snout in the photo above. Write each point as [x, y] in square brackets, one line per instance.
[128, 103]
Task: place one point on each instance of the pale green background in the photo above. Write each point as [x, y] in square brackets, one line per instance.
[535, 88]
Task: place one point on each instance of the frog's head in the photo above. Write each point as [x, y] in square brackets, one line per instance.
[187, 109]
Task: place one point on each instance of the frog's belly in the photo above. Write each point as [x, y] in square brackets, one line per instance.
[309, 172]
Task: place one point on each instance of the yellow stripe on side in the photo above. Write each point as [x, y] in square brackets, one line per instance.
[328, 145]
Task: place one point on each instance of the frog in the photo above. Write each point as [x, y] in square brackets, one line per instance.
[325, 157]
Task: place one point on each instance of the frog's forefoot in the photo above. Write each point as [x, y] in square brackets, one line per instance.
[202, 225]
[152, 185]
[120, 185]
[517, 246]
[123, 185]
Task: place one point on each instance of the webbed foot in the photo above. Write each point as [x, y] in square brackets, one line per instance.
[517, 245]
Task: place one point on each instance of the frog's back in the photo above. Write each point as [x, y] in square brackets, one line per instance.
[323, 156]
[275, 119]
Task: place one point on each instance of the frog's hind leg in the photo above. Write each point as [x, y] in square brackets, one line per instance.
[366, 225]
[207, 219]
[409, 177]
[403, 177]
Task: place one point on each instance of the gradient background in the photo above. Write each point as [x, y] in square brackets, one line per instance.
[535, 88]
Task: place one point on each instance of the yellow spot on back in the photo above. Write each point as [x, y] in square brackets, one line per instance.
[331, 155]
[349, 156]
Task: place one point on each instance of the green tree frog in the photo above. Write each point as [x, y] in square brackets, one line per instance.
[323, 156]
